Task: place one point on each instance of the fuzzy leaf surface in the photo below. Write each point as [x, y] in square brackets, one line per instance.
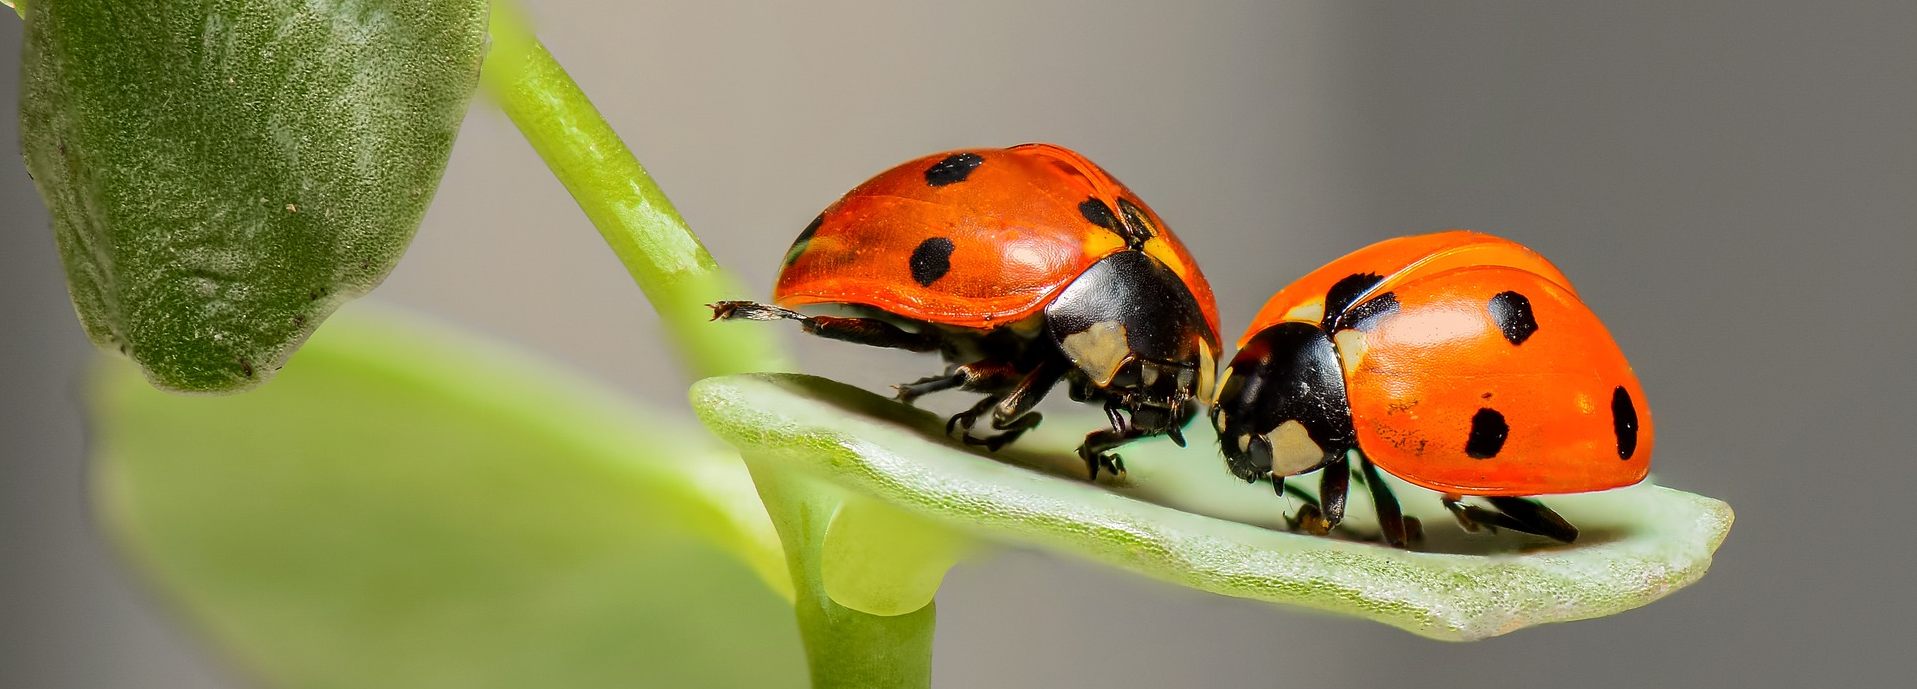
[223, 174]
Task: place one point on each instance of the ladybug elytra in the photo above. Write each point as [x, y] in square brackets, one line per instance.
[1457, 361]
[1023, 267]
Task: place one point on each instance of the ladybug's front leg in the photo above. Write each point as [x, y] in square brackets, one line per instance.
[1321, 517]
[866, 331]
[1098, 445]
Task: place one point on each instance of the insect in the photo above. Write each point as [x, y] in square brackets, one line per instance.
[1023, 267]
[1457, 361]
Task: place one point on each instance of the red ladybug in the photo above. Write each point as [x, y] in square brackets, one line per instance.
[1457, 361]
[1023, 267]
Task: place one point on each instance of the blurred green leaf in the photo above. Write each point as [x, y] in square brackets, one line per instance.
[406, 508]
[1164, 520]
[222, 174]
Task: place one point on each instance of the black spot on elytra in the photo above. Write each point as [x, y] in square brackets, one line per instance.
[1099, 214]
[1488, 432]
[246, 367]
[1512, 312]
[1138, 227]
[931, 260]
[1624, 422]
[953, 169]
[1364, 316]
[805, 238]
[1345, 291]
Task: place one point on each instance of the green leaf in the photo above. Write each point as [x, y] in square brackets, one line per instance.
[407, 509]
[223, 174]
[1639, 543]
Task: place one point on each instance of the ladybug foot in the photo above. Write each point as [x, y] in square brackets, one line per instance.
[911, 392]
[992, 443]
[1413, 531]
[1094, 461]
[1515, 514]
[1309, 519]
[960, 425]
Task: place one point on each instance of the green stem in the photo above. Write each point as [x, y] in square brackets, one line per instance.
[634, 216]
[845, 648]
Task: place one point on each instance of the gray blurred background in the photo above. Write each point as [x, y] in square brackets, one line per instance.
[1732, 185]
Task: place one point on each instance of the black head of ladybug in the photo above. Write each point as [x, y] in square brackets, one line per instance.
[1136, 337]
[1281, 409]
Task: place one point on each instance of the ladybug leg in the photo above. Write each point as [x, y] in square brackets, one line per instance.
[989, 375]
[1391, 520]
[1098, 445]
[1096, 450]
[910, 392]
[963, 421]
[1321, 517]
[1011, 412]
[866, 331]
[1516, 514]
[1531, 516]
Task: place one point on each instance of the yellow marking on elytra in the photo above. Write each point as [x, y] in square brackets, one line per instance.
[1292, 449]
[1309, 312]
[1351, 349]
[1207, 370]
[1099, 351]
[1220, 390]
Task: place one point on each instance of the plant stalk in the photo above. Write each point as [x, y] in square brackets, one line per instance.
[845, 648]
[636, 219]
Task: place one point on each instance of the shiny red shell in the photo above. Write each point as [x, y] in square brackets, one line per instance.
[1425, 379]
[975, 238]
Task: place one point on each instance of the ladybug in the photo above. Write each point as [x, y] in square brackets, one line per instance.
[1457, 361]
[1023, 267]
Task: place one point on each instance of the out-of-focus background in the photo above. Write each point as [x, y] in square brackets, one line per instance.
[1732, 185]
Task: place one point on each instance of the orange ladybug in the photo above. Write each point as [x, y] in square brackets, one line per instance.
[1457, 361]
[1023, 267]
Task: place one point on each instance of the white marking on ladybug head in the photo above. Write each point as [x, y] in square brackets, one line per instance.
[1293, 451]
[1099, 351]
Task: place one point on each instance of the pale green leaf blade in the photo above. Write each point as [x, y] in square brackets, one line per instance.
[408, 509]
[222, 174]
[1641, 543]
